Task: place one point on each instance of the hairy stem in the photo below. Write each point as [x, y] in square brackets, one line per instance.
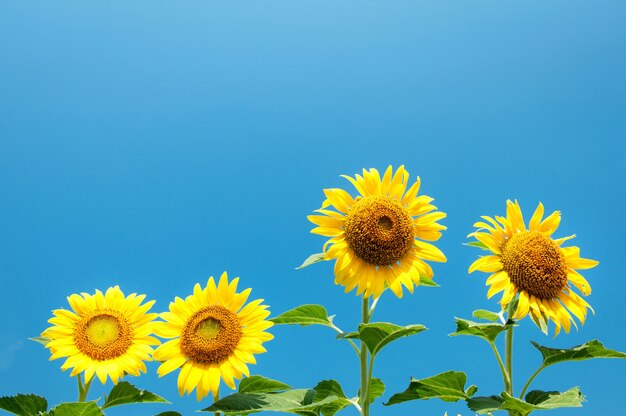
[364, 396]
[530, 380]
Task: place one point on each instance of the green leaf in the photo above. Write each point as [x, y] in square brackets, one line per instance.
[300, 401]
[312, 259]
[331, 389]
[535, 400]
[587, 351]
[448, 386]
[486, 315]
[125, 393]
[304, 315]
[259, 384]
[488, 332]
[77, 409]
[478, 244]
[169, 413]
[485, 405]
[377, 335]
[543, 401]
[377, 389]
[41, 340]
[427, 281]
[24, 404]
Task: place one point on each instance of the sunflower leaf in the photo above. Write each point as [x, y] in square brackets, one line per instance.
[484, 405]
[312, 259]
[427, 281]
[377, 388]
[41, 340]
[259, 384]
[24, 404]
[77, 409]
[448, 386]
[332, 389]
[299, 401]
[125, 393]
[542, 400]
[304, 315]
[169, 413]
[489, 332]
[377, 335]
[486, 315]
[587, 351]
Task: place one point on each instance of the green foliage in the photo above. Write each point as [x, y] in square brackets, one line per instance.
[486, 315]
[126, 393]
[258, 384]
[426, 281]
[326, 399]
[535, 400]
[77, 409]
[377, 335]
[448, 386]
[24, 404]
[169, 413]
[377, 388]
[587, 351]
[304, 315]
[312, 259]
[488, 332]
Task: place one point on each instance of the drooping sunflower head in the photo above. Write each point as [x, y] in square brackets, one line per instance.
[378, 238]
[528, 264]
[104, 334]
[213, 336]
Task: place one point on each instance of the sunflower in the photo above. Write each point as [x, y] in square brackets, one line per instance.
[376, 237]
[104, 334]
[214, 336]
[533, 265]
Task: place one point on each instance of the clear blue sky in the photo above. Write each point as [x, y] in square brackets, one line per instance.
[151, 144]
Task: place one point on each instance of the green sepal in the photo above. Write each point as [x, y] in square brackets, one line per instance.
[77, 409]
[376, 335]
[487, 315]
[478, 244]
[125, 393]
[312, 259]
[448, 386]
[427, 281]
[24, 404]
[489, 332]
[41, 340]
[586, 351]
[305, 315]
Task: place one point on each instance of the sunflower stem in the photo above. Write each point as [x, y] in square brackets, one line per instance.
[83, 388]
[530, 380]
[505, 374]
[365, 373]
[509, 351]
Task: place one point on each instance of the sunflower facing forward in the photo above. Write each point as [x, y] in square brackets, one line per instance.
[104, 334]
[214, 337]
[376, 237]
[530, 263]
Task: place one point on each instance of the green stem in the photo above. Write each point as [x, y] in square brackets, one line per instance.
[364, 399]
[509, 354]
[83, 389]
[530, 380]
[505, 375]
[354, 346]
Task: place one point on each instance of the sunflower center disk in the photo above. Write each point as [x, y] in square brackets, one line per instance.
[104, 334]
[379, 230]
[211, 335]
[535, 264]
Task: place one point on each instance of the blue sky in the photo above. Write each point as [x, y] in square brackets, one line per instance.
[153, 144]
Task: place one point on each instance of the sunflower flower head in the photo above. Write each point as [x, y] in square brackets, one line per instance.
[214, 336]
[379, 238]
[104, 334]
[528, 264]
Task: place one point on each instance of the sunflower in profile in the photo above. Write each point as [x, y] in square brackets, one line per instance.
[533, 265]
[377, 237]
[214, 337]
[104, 334]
